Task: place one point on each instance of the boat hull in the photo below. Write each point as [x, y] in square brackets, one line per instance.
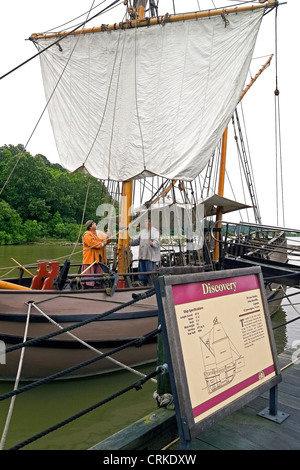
[52, 355]
[48, 361]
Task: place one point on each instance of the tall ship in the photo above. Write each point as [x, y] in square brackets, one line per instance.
[143, 104]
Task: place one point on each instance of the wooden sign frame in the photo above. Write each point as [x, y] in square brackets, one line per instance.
[219, 343]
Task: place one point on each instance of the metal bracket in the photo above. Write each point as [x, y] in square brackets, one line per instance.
[271, 412]
[163, 369]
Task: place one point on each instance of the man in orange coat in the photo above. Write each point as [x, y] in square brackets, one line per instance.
[94, 250]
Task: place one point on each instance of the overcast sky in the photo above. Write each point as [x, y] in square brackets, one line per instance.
[22, 96]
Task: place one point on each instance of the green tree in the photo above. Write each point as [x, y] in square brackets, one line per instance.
[10, 225]
[30, 181]
[38, 209]
[47, 195]
[32, 231]
[55, 221]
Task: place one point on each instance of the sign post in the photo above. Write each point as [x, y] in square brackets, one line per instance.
[220, 344]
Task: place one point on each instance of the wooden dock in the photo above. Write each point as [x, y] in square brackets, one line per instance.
[242, 430]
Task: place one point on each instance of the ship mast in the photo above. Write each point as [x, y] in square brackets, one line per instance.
[221, 193]
[123, 247]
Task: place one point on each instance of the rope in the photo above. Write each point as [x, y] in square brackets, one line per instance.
[286, 323]
[82, 218]
[59, 27]
[135, 342]
[170, 444]
[278, 126]
[105, 107]
[11, 407]
[82, 25]
[286, 296]
[293, 306]
[136, 385]
[270, 278]
[84, 343]
[137, 298]
[289, 364]
[290, 321]
[58, 40]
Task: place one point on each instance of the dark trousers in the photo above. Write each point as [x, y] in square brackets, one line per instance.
[146, 265]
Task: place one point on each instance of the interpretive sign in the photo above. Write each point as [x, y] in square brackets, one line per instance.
[220, 343]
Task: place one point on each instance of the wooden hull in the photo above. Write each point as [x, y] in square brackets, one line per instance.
[55, 354]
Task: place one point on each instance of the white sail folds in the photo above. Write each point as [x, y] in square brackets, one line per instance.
[151, 100]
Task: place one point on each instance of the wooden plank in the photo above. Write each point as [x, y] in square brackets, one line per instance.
[224, 437]
[242, 430]
[289, 388]
[151, 432]
[245, 430]
[293, 371]
[285, 399]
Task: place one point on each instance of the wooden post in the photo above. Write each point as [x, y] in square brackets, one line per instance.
[221, 193]
[123, 240]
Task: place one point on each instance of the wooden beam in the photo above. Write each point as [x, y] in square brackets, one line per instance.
[159, 20]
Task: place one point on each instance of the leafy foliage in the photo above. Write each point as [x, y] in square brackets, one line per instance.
[40, 199]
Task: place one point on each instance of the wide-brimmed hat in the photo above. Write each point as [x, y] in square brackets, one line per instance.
[89, 223]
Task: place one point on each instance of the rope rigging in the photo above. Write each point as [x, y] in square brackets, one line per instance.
[59, 28]
[246, 166]
[12, 403]
[137, 386]
[81, 25]
[277, 125]
[135, 342]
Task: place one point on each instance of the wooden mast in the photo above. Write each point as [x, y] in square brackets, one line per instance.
[221, 193]
[123, 239]
[123, 248]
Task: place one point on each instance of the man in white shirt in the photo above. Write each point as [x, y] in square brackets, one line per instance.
[149, 250]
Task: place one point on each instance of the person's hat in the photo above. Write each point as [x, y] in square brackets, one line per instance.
[89, 223]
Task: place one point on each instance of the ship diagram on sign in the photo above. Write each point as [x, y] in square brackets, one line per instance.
[221, 358]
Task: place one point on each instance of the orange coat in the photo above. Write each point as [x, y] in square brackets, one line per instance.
[94, 247]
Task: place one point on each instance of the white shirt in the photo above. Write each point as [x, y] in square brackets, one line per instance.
[147, 251]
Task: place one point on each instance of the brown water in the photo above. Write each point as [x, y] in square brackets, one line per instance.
[41, 408]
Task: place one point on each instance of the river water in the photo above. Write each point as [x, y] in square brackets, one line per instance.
[50, 404]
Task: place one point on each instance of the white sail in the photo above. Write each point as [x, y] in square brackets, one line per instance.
[150, 100]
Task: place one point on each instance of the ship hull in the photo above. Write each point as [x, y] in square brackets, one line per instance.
[54, 354]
